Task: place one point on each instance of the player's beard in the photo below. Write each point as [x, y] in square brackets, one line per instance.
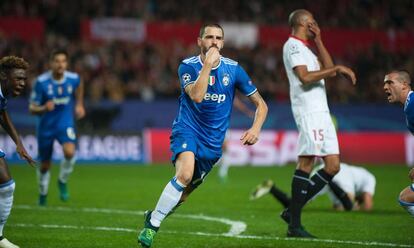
[205, 50]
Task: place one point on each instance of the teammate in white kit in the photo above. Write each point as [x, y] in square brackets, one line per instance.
[317, 136]
[397, 86]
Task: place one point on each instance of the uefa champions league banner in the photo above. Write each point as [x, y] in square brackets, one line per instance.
[90, 148]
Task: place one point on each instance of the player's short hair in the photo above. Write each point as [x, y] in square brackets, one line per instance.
[403, 75]
[296, 16]
[58, 52]
[9, 63]
[211, 25]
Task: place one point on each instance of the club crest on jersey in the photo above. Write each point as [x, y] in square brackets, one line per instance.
[211, 80]
[226, 79]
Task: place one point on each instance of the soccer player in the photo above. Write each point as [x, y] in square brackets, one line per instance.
[12, 82]
[57, 98]
[397, 86]
[208, 84]
[317, 136]
[352, 188]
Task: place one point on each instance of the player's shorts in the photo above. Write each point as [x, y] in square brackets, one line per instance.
[45, 141]
[317, 135]
[2, 154]
[356, 180]
[182, 141]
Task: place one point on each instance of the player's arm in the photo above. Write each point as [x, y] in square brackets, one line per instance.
[251, 136]
[197, 90]
[79, 95]
[41, 109]
[8, 126]
[308, 77]
[324, 56]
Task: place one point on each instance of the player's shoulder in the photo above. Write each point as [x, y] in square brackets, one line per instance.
[44, 77]
[72, 75]
[228, 61]
[191, 60]
[292, 46]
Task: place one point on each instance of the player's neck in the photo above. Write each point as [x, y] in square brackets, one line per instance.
[300, 35]
[404, 96]
[57, 76]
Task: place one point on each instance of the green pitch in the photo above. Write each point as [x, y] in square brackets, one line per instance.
[107, 203]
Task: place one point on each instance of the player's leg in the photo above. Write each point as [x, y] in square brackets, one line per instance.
[224, 163]
[7, 187]
[300, 183]
[345, 201]
[170, 197]
[45, 149]
[66, 168]
[323, 176]
[406, 199]
[184, 166]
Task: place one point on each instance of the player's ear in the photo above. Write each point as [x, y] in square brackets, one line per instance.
[199, 41]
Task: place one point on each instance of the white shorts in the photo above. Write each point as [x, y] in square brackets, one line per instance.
[317, 135]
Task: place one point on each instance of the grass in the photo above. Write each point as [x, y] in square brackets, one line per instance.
[137, 188]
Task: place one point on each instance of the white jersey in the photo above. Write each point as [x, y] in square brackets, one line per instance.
[353, 180]
[304, 98]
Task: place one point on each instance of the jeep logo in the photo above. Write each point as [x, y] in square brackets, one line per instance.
[215, 97]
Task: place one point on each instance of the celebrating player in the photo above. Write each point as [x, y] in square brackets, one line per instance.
[317, 136]
[208, 84]
[397, 86]
[12, 82]
[352, 188]
[57, 98]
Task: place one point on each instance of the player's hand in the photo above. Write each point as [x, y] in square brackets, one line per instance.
[411, 175]
[250, 137]
[24, 155]
[50, 105]
[212, 55]
[314, 28]
[347, 72]
[79, 112]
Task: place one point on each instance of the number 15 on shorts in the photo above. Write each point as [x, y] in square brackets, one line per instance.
[318, 134]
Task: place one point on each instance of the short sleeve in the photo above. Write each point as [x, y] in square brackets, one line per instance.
[187, 75]
[36, 97]
[294, 55]
[243, 82]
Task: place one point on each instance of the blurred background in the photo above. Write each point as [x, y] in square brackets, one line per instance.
[127, 53]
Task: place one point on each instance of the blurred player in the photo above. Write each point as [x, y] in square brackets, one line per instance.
[317, 136]
[12, 82]
[397, 86]
[208, 84]
[351, 188]
[224, 163]
[57, 97]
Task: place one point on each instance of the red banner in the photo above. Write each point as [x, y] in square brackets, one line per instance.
[27, 29]
[280, 147]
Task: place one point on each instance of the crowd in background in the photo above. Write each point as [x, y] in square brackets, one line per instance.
[148, 71]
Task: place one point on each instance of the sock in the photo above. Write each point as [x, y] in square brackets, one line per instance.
[224, 166]
[280, 196]
[43, 180]
[169, 198]
[341, 195]
[300, 184]
[66, 168]
[317, 182]
[6, 202]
